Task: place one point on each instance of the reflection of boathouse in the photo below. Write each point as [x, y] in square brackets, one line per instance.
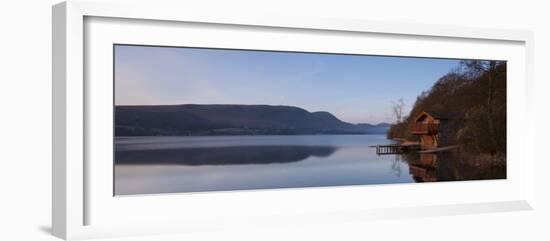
[431, 127]
[424, 169]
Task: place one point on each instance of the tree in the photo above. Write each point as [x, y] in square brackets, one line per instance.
[475, 96]
[397, 108]
[487, 70]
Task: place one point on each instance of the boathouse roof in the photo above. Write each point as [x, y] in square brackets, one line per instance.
[434, 114]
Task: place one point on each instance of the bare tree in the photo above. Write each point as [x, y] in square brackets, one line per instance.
[397, 108]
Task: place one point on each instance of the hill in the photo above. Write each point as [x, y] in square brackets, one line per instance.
[381, 128]
[194, 119]
[475, 95]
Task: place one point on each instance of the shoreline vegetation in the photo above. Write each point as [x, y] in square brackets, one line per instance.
[474, 94]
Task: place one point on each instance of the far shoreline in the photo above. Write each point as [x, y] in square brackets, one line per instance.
[358, 134]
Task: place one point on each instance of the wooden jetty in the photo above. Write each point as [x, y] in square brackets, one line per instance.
[441, 149]
[395, 149]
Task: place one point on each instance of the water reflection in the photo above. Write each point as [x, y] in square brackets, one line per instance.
[424, 168]
[146, 165]
[396, 165]
[232, 155]
[451, 166]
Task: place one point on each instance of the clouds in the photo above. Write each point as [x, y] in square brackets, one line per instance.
[354, 88]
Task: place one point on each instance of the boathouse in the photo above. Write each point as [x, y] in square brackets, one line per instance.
[430, 127]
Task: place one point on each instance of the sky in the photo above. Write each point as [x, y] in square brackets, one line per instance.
[355, 88]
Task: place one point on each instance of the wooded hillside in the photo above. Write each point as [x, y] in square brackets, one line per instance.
[475, 94]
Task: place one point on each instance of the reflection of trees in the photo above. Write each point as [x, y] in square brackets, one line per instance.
[223, 155]
[451, 166]
[396, 165]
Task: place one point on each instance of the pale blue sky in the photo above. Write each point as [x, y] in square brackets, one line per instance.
[355, 88]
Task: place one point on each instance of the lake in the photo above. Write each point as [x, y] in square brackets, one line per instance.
[150, 165]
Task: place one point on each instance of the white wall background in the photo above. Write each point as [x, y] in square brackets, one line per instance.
[25, 119]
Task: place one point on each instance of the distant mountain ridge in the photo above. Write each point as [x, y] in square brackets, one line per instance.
[380, 128]
[197, 120]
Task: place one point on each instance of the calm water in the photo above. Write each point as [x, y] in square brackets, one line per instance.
[146, 165]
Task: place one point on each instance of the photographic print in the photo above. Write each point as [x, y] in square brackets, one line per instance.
[204, 119]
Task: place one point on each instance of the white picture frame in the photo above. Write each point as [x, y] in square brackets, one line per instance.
[73, 187]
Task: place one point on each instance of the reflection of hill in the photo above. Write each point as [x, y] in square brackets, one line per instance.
[223, 155]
